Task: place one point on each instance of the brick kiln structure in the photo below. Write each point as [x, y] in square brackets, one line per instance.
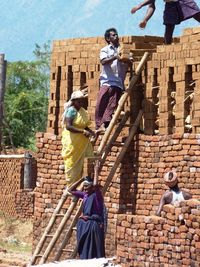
[169, 87]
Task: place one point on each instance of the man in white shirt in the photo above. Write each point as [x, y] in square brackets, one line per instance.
[174, 194]
[175, 12]
[111, 79]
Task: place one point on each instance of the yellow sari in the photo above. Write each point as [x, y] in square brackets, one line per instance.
[75, 147]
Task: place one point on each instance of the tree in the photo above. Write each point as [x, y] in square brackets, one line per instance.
[26, 97]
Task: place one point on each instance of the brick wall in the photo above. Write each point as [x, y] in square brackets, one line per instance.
[170, 82]
[14, 199]
[137, 185]
[24, 203]
[75, 63]
[151, 157]
[170, 240]
[172, 88]
[168, 87]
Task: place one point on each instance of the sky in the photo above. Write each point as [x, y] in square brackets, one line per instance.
[26, 22]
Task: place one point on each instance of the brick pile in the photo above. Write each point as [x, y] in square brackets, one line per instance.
[75, 63]
[137, 185]
[24, 203]
[50, 182]
[170, 240]
[172, 88]
[14, 201]
[151, 157]
[50, 175]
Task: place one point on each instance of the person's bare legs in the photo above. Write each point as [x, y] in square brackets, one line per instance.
[197, 17]
[169, 29]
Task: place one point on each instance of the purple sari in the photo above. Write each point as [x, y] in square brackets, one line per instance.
[90, 232]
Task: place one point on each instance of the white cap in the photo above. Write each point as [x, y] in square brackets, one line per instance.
[76, 95]
[171, 178]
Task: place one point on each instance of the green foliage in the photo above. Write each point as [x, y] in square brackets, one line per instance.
[26, 97]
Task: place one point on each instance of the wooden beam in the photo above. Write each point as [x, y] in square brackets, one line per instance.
[132, 132]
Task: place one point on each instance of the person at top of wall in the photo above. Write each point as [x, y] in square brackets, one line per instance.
[91, 224]
[112, 78]
[175, 12]
[76, 135]
[174, 194]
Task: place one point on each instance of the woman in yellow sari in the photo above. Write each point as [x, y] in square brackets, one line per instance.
[75, 138]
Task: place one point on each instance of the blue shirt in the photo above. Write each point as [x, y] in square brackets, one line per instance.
[70, 112]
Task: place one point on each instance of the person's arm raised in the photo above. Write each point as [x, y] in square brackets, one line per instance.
[145, 3]
[96, 173]
[149, 14]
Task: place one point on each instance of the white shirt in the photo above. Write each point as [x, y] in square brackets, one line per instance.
[177, 197]
[114, 73]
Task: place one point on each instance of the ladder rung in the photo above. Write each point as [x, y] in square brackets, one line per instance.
[67, 250]
[60, 215]
[117, 143]
[74, 228]
[39, 255]
[49, 235]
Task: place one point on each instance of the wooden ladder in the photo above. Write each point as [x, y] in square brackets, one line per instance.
[102, 152]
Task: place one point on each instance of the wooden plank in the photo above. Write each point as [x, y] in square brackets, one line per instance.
[114, 137]
[132, 132]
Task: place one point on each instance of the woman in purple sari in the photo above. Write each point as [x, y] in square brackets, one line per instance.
[175, 12]
[90, 226]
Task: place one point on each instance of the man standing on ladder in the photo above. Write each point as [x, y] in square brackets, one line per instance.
[112, 78]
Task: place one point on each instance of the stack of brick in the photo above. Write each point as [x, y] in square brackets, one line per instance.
[24, 203]
[51, 182]
[10, 180]
[170, 240]
[14, 200]
[138, 182]
[50, 175]
[137, 185]
[149, 158]
[75, 63]
[172, 89]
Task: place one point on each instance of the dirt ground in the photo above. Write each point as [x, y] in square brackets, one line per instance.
[15, 241]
